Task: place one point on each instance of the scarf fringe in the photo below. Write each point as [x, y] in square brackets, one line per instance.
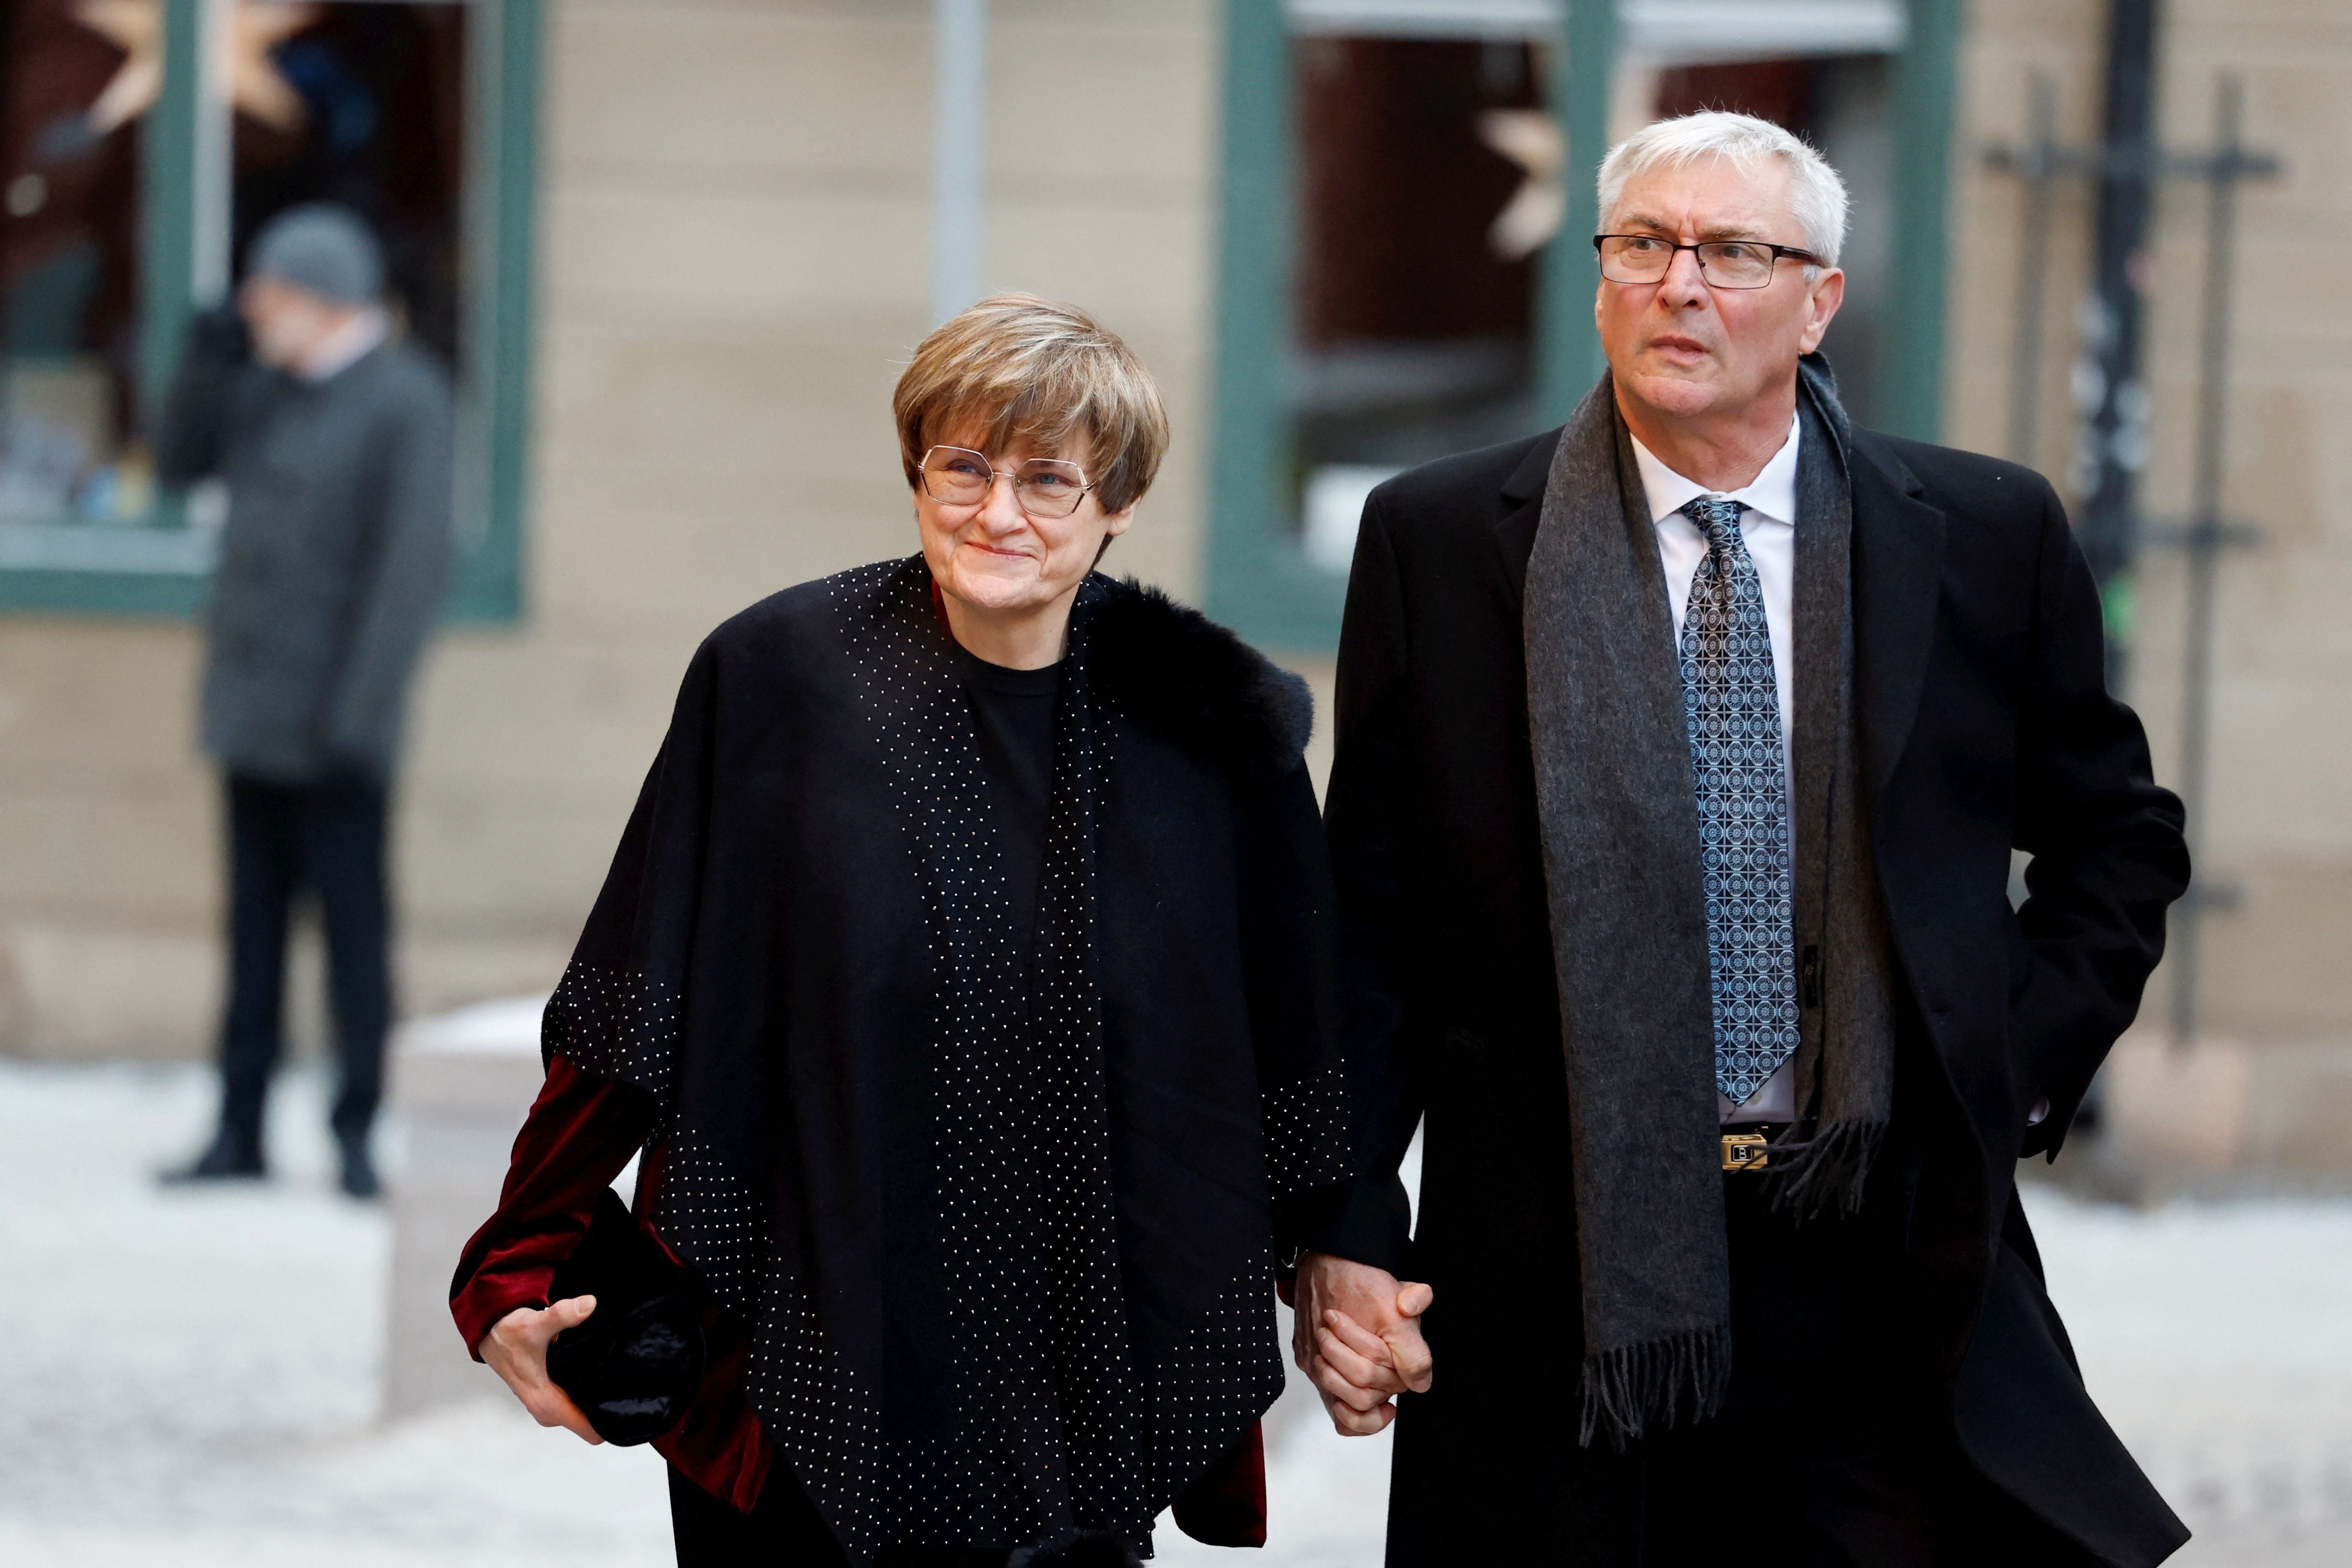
[1658, 1383]
[1824, 1175]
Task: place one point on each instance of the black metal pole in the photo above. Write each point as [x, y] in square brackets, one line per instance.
[2037, 169]
[2114, 405]
[2206, 531]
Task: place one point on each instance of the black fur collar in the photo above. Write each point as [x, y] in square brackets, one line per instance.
[1173, 669]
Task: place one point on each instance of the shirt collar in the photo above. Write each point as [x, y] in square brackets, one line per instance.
[1772, 496]
[345, 346]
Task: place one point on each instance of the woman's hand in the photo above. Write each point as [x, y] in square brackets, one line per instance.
[516, 1349]
[1358, 1338]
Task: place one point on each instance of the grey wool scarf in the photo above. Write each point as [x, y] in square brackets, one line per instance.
[1621, 847]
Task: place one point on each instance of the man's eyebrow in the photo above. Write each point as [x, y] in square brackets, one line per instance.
[1632, 223]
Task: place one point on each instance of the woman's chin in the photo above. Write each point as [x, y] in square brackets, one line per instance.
[1006, 589]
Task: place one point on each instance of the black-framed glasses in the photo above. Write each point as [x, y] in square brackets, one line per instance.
[1042, 487]
[1724, 263]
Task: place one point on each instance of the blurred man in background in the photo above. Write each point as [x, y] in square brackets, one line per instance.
[334, 439]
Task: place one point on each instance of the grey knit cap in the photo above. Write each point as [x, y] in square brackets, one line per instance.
[322, 248]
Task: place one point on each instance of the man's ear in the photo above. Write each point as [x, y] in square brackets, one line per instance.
[1827, 294]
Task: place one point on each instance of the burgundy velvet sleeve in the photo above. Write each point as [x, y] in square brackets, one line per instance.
[1226, 1507]
[580, 1134]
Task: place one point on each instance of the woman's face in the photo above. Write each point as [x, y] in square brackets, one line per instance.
[995, 557]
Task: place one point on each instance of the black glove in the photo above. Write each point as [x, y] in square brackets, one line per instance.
[218, 336]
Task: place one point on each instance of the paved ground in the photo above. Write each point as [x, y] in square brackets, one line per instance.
[190, 1380]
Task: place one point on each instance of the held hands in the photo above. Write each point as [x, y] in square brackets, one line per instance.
[1357, 1335]
[516, 1349]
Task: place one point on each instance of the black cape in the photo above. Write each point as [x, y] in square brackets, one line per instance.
[999, 1214]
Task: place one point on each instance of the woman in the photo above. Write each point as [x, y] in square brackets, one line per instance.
[964, 975]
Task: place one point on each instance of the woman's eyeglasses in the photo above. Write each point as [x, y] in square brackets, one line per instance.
[1042, 487]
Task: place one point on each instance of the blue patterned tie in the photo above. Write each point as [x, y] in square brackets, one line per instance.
[1734, 715]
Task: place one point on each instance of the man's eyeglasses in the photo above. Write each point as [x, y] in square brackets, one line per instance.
[1724, 263]
[1042, 487]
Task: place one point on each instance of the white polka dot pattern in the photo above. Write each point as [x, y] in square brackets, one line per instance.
[1217, 1379]
[615, 1025]
[626, 1027]
[705, 1211]
[1042, 1435]
[1305, 1146]
[827, 1426]
[1057, 1414]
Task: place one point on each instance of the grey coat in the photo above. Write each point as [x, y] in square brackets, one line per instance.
[335, 558]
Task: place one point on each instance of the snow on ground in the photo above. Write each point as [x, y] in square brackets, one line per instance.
[191, 1379]
[2218, 1340]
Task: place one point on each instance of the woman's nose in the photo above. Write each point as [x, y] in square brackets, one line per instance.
[1001, 512]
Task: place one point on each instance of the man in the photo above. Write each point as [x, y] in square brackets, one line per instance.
[335, 447]
[1681, 754]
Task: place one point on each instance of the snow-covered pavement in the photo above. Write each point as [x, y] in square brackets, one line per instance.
[190, 1380]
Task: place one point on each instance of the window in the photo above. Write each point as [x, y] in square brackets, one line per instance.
[1839, 103]
[1414, 293]
[131, 181]
[1387, 164]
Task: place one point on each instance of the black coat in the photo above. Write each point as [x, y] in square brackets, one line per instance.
[1984, 724]
[764, 960]
[336, 556]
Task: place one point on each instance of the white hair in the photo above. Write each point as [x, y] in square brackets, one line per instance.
[1817, 195]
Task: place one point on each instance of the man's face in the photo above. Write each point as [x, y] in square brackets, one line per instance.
[1688, 350]
[288, 321]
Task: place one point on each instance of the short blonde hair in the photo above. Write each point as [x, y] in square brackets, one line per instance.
[1817, 196]
[1049, 373]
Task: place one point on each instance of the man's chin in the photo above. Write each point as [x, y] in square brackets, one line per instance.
[1675, 392]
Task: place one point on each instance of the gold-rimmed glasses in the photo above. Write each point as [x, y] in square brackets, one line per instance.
[1042, 487]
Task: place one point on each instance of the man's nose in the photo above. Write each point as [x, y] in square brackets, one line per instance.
[1683, 281]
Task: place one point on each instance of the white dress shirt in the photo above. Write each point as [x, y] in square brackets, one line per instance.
[1768, 527]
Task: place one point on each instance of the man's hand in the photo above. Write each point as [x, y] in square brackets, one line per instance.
[1357, 1335]
[516, 1349]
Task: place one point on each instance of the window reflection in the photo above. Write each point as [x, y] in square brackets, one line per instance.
[359, 104]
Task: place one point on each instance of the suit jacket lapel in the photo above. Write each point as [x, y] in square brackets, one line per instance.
[1898, 561]
[1521, 504]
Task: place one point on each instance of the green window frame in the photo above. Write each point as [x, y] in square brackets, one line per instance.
[161, 570]
[1257, 577]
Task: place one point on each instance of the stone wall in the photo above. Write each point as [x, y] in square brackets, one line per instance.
[2278, 827]
[2257, 1093]
[734, 264]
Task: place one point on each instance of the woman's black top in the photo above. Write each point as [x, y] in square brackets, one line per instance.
[1014, 711]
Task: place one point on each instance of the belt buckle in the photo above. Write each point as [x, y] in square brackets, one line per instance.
[1745, 1152]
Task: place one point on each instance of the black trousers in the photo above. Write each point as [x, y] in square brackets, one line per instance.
[284, 839]
[1832, 1450]
[782, 1531]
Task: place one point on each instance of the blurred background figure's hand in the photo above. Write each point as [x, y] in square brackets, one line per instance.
[1358, 1338]
[517, 1350]
[220, 336]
